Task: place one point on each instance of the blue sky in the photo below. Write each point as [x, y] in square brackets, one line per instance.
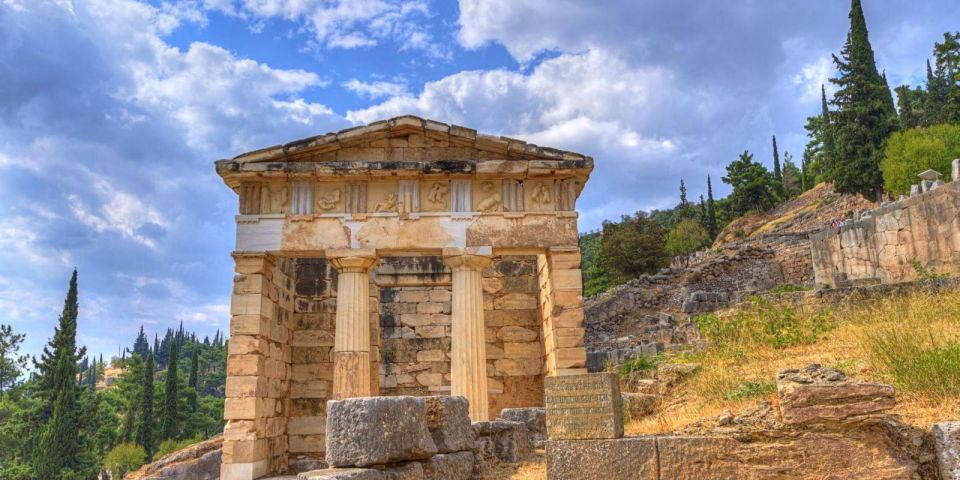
[113, 111]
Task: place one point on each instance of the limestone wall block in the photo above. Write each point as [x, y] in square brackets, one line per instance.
[431, 356]
[249, 325]
[513, 333]
[238, 386]
[311, 425]
[251, 304]
[433, 307]
[310, 388]
[422, 319]
[432, 331]
[312, 371]
[440, 295]
[307, 443]
[523, 350]
[568, 337]
[494, 352]
[567, 278]
[312, 338]
[570, 357]
[253, 264]
[245, 451]
[245, 364]
[568, 318]
[518, 366]
[246, 344]
[240, 408]
[500, 318]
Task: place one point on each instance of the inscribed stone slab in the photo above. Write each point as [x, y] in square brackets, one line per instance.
[581, 407]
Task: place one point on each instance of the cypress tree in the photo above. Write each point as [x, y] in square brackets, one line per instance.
[194, 380]
[58, 447]
[711, 212]
[140, 345]
[145, 427]
[864, 118]
[168, 422]
[777, 172]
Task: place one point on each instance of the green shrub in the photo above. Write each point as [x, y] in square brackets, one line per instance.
[924, 274]
[917, 359]
[170, 445]
[124, 458]
[642, 363]
[761, 322]
[751, 389]
[789, 287]
[910, 152]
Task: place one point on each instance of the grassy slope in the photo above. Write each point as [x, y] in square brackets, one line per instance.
[912, 342]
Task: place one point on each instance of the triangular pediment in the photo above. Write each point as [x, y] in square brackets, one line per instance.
[406, 138]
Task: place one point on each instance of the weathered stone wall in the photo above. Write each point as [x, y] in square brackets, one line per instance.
[411, 338]
[258, 367]
[881, 246]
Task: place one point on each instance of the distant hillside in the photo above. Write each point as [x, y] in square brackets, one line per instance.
[809, 211]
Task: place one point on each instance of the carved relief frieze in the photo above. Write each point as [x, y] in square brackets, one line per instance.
[437, 198]
[539, 196]
[329, 198]
[489, 197]
[274, 198]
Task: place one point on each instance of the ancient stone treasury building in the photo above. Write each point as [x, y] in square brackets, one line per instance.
[406, 257]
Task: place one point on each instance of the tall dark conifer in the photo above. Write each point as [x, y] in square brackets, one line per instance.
[171, 397]
[194, 379]
[865, 115]
[58, 448]
[711, 212]
[140, 345]
[777, 172]
[145, 437]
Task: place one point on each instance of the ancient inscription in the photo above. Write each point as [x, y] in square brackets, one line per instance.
[581, 407]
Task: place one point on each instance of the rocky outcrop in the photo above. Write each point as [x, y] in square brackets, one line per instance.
[534, 418]
[826, 426]
[200, 461]
[817, 394]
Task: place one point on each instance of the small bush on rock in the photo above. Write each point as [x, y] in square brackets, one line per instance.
[124, 458]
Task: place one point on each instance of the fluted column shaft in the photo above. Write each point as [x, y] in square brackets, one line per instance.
[351, 344]
[468, 355]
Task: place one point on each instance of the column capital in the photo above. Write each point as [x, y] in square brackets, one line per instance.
[473, 258]
[352, 259]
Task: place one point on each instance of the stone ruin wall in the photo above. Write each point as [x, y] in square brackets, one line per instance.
[410, 340]
[881, 246]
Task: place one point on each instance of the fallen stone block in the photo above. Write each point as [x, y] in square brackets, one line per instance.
[670, 374]
[377, 431]
[508, 440]
[946, 442]
[449, 466]
[612, 459]
[200, 461]
[448, 420]
[342, 474]
[534, 418]
[816, 394]
[638, 405]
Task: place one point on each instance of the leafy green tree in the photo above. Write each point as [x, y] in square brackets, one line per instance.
[633, 246]
[864, 118]
[58, 447]
[12, 364]
[170, 417]
[687, 237]
[912, 151]
[145, 436]
[753, 185]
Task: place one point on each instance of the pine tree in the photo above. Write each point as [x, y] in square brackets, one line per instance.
[156, 343]
[684, 209]
[777, 173]
[145, 427]
[169, 420]
[948, 70]
[58, 447]
[140, 345]
[864, 118]
[711, 212]
[12, 364]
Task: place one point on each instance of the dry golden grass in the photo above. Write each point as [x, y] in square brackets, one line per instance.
[933, 318]
[533, 468]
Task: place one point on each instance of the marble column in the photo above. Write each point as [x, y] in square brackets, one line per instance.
[468, 352]
[351, 344]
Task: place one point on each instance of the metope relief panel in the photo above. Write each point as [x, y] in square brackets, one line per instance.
[539, 196]
[301, 201]
[382, 197]
[329, 198]
[274, 198]
[436, 196]
[487, 196]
